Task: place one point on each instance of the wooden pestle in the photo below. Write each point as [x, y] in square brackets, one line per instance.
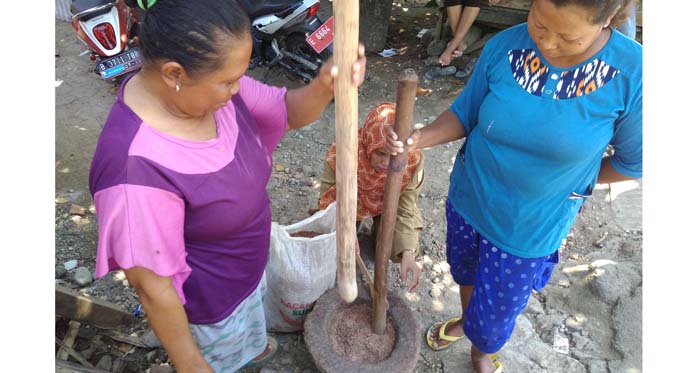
[346, 16]
[403, 122]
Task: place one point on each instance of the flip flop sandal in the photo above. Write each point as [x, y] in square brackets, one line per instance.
[496, 362]
[442, 336]
[439, 72]
[273, 344]
[468, 68]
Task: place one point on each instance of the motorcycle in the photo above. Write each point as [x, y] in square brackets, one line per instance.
[289, 34]
[108, 28]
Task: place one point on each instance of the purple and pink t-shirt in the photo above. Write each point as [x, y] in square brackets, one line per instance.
[197, 211]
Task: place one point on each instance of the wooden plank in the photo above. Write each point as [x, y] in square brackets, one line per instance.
[502, 17]
[69, 339]
[68, 367]
[513, 12]
[120, 337]
[86, 309]
[73, 353]
[514, 4]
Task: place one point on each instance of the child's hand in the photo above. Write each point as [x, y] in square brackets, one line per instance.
[393, 146]
[408, 265]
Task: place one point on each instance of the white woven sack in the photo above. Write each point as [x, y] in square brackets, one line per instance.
[299, 270]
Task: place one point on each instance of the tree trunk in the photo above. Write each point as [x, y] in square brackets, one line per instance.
[374, 23]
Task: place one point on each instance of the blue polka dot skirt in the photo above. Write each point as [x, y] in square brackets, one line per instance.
[502, 282]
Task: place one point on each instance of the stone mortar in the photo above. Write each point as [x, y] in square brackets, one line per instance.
[403, 358]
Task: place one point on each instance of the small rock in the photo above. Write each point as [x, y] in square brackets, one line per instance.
[86, 332]
[279, 168]
[82, 276]
[582, 343]
[436, 47]
[77, 210]
[307, 170]
[62, 200]
[150, 339]
[614, 280]
[435, 280]
[60, 271]
[105, 363]
[573, 324]
[597, 366]
[125, 348]
[70, 264]
[432, 61]
[151, 356]
[286, 360]
[534, 307]
[88, 352]
[564, 283]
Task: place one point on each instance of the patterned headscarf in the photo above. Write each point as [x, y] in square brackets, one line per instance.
[371, 137]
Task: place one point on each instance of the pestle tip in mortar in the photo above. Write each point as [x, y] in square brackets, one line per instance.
[348, 292]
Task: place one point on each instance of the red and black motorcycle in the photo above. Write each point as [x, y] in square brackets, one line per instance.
[109, 29]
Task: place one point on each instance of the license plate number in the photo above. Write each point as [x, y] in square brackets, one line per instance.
[120, 64]
[322, 37]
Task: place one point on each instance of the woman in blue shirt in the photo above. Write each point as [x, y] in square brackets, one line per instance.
[545, 100]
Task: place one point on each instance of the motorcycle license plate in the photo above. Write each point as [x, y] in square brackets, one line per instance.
[322, 37]
[120, 63]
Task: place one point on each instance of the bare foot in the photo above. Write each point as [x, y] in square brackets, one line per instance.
[481, 362]
[460, 50]
[454, 329]
[450, 53]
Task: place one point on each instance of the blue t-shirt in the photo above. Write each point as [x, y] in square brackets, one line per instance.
[536, 135]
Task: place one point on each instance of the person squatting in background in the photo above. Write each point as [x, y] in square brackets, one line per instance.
[373, 163]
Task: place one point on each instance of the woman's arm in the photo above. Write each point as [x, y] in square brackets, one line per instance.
[305, 104]
[168, 319]
[608, 174]
[444, 129]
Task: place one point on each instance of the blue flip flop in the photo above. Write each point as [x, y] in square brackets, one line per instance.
[439, 72]
[468, 68]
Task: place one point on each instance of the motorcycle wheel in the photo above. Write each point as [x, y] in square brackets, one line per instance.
[297, 43]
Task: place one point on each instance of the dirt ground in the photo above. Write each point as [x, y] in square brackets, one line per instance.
[588, 319]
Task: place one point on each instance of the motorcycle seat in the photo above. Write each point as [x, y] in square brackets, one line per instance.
[78, 6]
[264, 7]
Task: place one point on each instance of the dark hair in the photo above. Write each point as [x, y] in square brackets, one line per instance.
[188, 31]
[602, 9]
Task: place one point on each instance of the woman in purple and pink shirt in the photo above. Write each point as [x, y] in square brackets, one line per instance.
[179, 181]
